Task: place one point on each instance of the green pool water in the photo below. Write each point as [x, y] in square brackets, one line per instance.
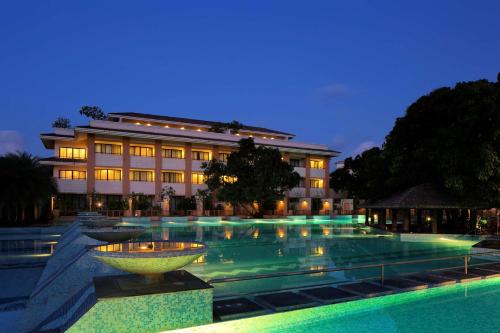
[243, 248]
[468, 307]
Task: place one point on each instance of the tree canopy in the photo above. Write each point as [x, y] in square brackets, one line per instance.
[251, 175]
[93, 112]
[450, 137]
[233, 126]
[61, 122]
[26, 188]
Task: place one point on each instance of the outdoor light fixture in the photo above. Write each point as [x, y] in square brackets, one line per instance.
[148, 124]
[166, 126]
[198, 130]
[99, 204]
[428, 218]
[182, 128]
[137, 123]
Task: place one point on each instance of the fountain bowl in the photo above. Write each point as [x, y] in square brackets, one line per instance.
[150, 259]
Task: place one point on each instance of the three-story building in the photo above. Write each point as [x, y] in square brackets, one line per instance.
[143, 153]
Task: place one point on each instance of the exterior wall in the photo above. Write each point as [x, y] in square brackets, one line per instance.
[158, 163]
[308, 176]
[137, 162]
[173, 164]
[187, 174]
[126, 166]
[91, 163]
[110, 160]
[142, 187]
[108, 187]
[317, 192]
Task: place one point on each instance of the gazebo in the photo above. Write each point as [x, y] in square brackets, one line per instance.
[423, 203]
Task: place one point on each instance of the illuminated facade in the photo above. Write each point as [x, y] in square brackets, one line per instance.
[143, 153]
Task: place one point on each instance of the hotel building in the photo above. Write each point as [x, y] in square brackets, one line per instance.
[143, 153]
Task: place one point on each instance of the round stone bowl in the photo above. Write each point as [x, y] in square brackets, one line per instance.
[101, 223]
[114, 234]
[150, 259]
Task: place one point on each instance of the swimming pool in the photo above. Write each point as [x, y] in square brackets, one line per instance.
[465, 307]
[253, 247]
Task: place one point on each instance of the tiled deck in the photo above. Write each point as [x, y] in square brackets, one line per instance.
[253, 305]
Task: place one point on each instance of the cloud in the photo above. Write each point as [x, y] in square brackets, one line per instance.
[335, 90]
[10, 142]
[364, 146]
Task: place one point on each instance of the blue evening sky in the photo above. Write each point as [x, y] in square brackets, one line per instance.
[332, 72]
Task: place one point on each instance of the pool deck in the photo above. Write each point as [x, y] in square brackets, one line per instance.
[259, 304]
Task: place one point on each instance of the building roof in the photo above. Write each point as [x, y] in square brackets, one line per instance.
[289, 145]
[420, 196]
[191, 121]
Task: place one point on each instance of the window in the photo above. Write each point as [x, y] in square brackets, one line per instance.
[316, 164]
[223, 157]
[199, 155]
[108, 148]
[172, 177]
[302, 182]
[297, 162]
[142, 176]
[108, 174]
[198, 178]
[75, 153]
[316, 183]
[142, 151]
[72, 174]
[171, 153]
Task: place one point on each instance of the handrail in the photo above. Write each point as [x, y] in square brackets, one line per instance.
[337, 269]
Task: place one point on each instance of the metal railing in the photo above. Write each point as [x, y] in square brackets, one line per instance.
[380, 266]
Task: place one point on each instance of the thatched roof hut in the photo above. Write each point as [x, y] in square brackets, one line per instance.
[424, 196]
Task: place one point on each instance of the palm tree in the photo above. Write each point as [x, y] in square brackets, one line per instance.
[27, 187]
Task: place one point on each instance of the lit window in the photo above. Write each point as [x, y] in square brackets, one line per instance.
[198, 178]
[142, 151]
[142, 176]
[229, 179]
[224, 156]
[171, 153]
[72, 153]
[72, 174]
[108, 174]
[172, 177]
[199, 155]
[108, 148]
[316, 164]
[316, 183]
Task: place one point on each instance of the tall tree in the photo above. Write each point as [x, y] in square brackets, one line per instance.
[450, 137]
[26, 188]
[252, 177]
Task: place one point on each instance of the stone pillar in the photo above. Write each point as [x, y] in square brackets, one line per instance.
[199, 206]
[407, 221]
[90, 163]
[158, 160]
[308, 176]
[394, 218]
[126, 167]
[434, 221]
[215, 152]
[367, 216]
[165, 207]
[188, 171]
[286, 158]
[326, 181]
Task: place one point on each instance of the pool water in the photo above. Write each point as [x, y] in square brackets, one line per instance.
[466, 307]
[252, 247]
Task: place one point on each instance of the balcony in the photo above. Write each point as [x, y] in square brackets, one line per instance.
[111, 160]
[298, 192]
[142, 162]
[173, 164]
[76, 186]
[317, 173]
[108, 187]
[179, 188]
[147, 188]
[196, 165]
[301, 171]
